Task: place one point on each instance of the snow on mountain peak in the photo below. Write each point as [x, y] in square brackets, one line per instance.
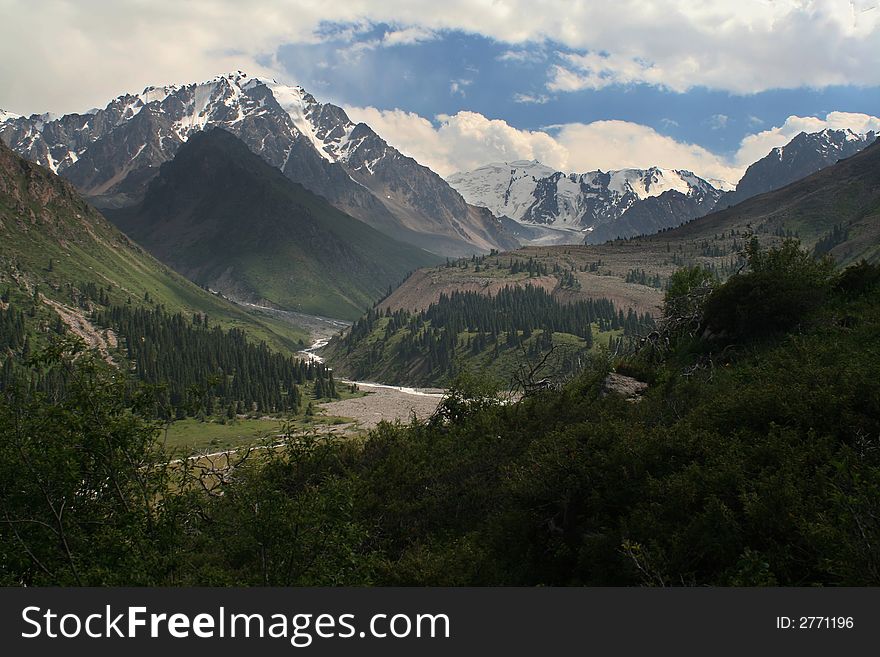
[723, 185]
[8, 116]
[156, 94]
[506, 188]
[298, 104]
[645, 183]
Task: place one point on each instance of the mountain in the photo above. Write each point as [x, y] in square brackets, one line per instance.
[54, 246]
[111, 154]
[226, 219]
[565, 209]
[554, 208]
[477, 332]
[803, 155]
[836, 210]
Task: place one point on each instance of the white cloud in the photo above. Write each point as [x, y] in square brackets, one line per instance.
[596, 71]
[460, 142]
[456, 87]
[468, 140]
[621, 145]
[742, 47]
[718, 121]
[536, 99]
[408, 36]
[531, 55]
[72, 54]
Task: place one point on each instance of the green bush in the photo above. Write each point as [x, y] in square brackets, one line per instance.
[782, 287]
[858, 279]
[687, 290]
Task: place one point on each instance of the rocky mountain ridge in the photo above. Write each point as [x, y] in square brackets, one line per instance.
[111, 154]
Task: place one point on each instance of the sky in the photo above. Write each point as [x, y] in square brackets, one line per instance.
[707, 86]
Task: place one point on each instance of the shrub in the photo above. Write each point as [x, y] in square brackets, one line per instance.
[687, 290]
[783, 286]
[858, 279]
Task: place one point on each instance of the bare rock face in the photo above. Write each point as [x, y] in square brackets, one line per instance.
[802, 156]
[626, 386]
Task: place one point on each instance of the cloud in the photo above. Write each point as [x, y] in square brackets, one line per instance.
[718, 121]
[532, 55]
[50, 47]
[467, 140]
[456, 87]
[536, 99]
[744, 47]
[408, 36]
[597, 71]
[622, 145]
[459, 142]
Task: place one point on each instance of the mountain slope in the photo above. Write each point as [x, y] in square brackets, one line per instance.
[112, 153]
[836, 209]
[53, 244]
[468, 332]
[845, 194]
[227, 220]
[803, 155]
[566, 209]
[429, 212]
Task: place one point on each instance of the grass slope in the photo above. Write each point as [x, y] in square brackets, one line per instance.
[51, 239]
[846, 194]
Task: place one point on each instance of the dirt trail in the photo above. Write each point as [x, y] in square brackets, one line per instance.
[101, 339]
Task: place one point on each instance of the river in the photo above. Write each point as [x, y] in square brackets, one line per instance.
[384, 402]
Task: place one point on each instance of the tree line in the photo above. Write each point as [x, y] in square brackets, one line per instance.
[208, 369]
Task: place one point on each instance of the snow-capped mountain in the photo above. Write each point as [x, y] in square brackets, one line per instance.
[566, 208]
[803, 155]
[111, 154]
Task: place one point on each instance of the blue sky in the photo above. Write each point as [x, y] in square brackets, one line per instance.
[455, 71]
[709, 86]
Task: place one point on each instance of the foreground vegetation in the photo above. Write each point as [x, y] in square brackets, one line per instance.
[753, 458]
